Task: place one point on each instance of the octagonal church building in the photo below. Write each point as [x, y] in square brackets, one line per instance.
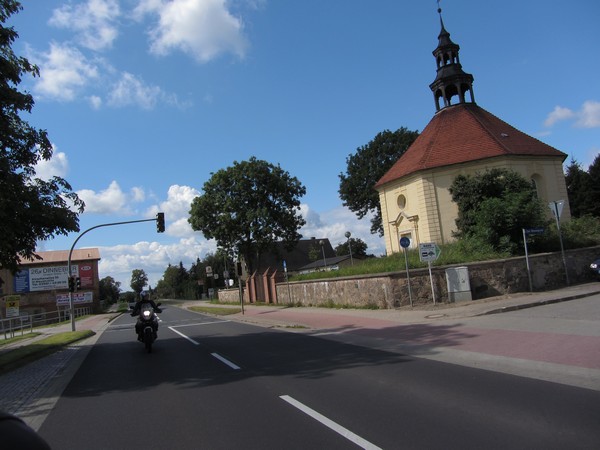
[461, 138]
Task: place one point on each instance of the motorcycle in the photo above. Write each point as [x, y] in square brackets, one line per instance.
[147, 325]
[595, 268]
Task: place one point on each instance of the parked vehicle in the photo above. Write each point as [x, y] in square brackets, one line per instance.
[595, 268]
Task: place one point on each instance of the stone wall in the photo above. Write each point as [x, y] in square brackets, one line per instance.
[390, 290]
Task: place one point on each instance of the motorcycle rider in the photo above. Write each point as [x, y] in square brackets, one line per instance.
[145, 298]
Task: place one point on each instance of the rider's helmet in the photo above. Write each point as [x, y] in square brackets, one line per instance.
[144, 295]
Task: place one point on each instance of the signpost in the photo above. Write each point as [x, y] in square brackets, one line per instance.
[429, 252]
[526, 232]
[405, 243]
[556, 208]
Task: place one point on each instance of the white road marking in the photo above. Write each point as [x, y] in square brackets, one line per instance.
[226, 361]
[330, 423]
[184, 336]
[214, 355]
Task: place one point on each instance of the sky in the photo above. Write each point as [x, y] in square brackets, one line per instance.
[144, 99]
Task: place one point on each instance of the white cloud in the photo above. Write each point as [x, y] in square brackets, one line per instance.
[109, 201]
[558, 114]
[64, 72]
[95, 101]
[177, 210]
[130, 90]
[587, 117]
[201, 28]
[58, 166]
[153, 257]
[94, 22]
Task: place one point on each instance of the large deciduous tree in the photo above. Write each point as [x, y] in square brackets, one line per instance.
[248, 207]
[31, 209]
[109, 290]
[139, 280]
[494, 207]
[366, 167]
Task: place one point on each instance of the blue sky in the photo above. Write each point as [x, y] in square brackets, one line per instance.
[143, 99]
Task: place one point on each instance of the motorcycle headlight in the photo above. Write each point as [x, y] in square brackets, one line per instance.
[593, 265]
[147, 314]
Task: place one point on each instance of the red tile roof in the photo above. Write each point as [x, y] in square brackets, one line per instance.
[464, 133]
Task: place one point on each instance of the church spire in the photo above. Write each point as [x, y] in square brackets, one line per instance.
[450, 80]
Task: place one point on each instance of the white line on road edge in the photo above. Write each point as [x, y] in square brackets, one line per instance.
[226, 361]
[330, 423]
[184, 336]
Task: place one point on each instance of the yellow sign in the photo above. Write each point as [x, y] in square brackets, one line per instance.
[12, 305]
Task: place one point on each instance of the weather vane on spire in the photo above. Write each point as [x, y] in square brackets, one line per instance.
[439, 7]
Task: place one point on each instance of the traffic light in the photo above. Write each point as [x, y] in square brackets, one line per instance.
[71, 284]
[160, 222]
[77, 283]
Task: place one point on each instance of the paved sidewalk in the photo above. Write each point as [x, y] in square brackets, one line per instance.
[319, 318]
[30, 392]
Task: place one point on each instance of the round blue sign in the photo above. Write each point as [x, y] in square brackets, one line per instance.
[404, 242]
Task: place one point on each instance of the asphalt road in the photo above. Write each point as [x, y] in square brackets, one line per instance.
[214, 384]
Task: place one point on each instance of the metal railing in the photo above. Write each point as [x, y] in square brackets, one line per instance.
[26, 323]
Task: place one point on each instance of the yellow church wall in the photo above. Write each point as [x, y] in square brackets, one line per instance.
[428, 198]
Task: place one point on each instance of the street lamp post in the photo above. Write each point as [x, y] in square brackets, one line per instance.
[348, 234]
[322, 243]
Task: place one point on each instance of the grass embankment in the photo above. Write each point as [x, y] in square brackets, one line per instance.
[459, 252]
[23, 355]
[216, 310]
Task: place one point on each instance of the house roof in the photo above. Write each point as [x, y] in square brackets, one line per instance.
[296, 258]
[62, 256]
[333, 261]
[464, 133]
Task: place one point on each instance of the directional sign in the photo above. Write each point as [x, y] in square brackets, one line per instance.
[429, 252]
[534, 230]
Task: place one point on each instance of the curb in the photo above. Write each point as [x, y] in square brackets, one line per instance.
[538, 303]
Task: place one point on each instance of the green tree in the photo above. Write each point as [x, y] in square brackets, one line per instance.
[109, 290]
[494, 207]
[31, 209]
[366, 167]
[579, 184]
[594, 192]
[139, 280]
[358, 246]
[167, 285]
[248, 207]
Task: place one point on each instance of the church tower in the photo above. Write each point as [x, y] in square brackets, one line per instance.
[450, 80]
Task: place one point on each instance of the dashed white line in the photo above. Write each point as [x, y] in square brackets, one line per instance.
[330, 423]
[226, 361]
[184, 336]
[214, 355]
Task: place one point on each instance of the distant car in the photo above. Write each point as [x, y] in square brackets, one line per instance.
[132, 304]
[595, 268]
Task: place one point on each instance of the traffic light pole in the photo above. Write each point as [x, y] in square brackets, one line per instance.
[71, 307]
